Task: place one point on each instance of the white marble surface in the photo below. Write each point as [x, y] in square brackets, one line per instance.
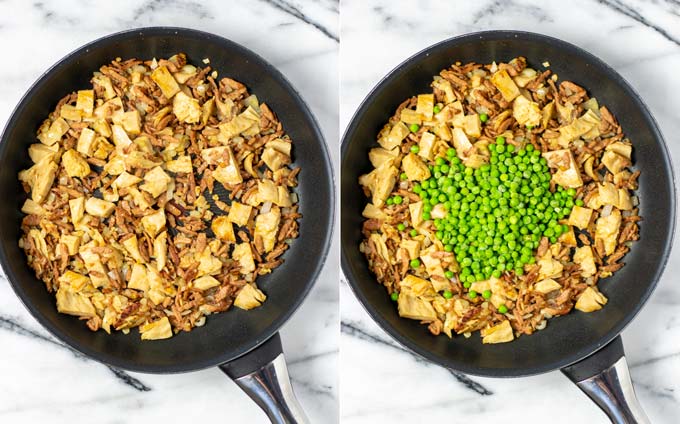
[42, 382]
[380, 382]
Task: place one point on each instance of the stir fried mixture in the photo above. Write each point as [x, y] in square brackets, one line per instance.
[498, 201]
[123, 218]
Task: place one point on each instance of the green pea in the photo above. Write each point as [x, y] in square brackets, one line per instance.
[436, 109]
[395, 296]
[415, 148]
[448, 294]
[483, 117]
[496, 214]
[401, 227]
[414, 232]
[415, 263]
[414, 127]
[503, 309]
[472, 294]
[486, 294]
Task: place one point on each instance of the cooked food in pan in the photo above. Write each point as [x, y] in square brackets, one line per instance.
[157, 197]
[498, 201]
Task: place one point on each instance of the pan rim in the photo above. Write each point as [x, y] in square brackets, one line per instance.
[325, 161]
[404, 341]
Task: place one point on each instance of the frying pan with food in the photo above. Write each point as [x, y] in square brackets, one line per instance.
[586, 347]
[244, 344]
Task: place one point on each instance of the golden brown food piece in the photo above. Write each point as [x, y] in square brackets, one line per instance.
[266, 226]
[590, 300]
[505, 85]
[566, 171]
[395, 136]
[607, 230]
[500, 333]
[223, 229]
[156, 330]
[526, 112]
[416, 308]
[580, 217]
[249, 297]
[165, 81]
[415, 169]
[547, 286]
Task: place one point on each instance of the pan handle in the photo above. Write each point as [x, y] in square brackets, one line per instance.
[263, 375]
[604, 377]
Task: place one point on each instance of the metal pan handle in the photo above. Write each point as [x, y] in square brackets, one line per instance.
[604, 377]
[263, 375]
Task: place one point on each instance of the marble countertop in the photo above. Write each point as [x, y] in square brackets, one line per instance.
[41, 381]
[380, 381]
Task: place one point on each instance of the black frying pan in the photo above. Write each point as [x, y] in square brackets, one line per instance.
[586, 347]
[245, 344]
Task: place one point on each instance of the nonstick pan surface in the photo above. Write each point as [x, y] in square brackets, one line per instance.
[227, 335]
[566, 339]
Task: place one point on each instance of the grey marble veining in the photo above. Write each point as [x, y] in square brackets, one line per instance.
[381, 381]
[44, 381]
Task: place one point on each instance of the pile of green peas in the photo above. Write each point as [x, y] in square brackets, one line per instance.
[496, 214]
